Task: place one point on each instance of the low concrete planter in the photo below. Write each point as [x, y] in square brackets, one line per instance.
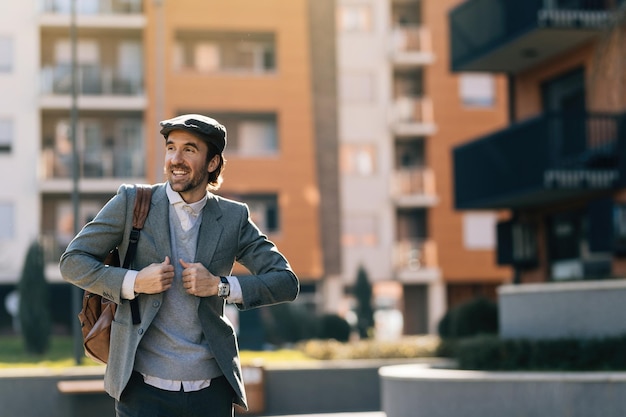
[419, 390]
[577, 309]
[318, 387]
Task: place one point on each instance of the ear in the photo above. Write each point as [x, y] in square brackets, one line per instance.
[214, 163]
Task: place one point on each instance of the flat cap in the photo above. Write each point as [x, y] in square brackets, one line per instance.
[208, 129]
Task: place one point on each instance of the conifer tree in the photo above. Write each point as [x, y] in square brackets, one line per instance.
[34, 309]
[364, 310]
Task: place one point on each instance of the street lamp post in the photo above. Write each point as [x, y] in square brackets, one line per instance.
[76, 292]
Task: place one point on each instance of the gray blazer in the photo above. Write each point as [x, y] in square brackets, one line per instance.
[226, 235]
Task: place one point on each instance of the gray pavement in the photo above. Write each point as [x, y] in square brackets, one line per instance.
[355, 414]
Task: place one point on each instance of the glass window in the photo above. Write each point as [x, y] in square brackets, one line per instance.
[264, 211]
[477, 90]
[257, 137]
[225, 52]
[7, 220]
[479, 230]
[355, 18]
[250, 134]
[6, 134]
[358, 159]
[6, 54]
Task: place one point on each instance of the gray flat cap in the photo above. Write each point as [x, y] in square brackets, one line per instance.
[208, 129]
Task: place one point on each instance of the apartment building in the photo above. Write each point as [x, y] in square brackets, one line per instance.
[19, 138]
[247, 63]
[401, 111]
[558, 168]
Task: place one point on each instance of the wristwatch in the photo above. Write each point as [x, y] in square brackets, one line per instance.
[223, 288]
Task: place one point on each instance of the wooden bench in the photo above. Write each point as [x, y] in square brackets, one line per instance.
[81, 386]
[87, 398]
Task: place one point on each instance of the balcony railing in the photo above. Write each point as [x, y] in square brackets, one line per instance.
[510, 35]
[410, 39]
[92, 7]
[92, 80]
[548, 158]
[415, 254]
[95, 164]
[413, 110]
[53, 246]
[413, 181]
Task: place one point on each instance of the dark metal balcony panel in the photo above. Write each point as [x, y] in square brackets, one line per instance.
[512, 35]
[546, 159]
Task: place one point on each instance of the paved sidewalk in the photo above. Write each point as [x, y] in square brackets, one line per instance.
[355, 414]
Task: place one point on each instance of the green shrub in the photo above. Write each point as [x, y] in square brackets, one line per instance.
[488, 352]
[478, 316]
[335, 327]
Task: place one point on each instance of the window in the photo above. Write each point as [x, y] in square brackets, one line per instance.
[355, 18]
[7, 220]
[264, 211]
[6, 134]
[250, 134]
[477, 90]
[356, 88]
[225, 52]
[358, 159]
[6, 54]
[479, 230]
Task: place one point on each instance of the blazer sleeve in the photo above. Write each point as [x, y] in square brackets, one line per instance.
[272, 280]
[82, 262]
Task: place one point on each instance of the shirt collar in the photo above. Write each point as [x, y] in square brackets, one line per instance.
[176, 200]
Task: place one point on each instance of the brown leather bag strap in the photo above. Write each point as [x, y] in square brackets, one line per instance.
[140, 213]
[142, 205]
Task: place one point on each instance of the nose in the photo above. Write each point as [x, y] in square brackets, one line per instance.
[175, 156]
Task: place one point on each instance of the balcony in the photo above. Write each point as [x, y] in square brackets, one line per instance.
[547, 159]
[415, 261]
[414, 187]
[512, 35]
[411, 46]
[123, 14]
[99, 88]
[412, 116]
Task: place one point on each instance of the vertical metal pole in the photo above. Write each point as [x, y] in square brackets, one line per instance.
[76, 292]
[159, 87]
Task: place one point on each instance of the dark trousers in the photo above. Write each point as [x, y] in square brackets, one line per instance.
[142, 400]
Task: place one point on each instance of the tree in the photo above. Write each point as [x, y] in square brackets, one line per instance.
[364, 310]
[34, 311]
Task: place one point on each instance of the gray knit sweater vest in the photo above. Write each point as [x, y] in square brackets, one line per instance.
[174, 346]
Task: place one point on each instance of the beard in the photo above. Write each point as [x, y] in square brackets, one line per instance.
[199, 179]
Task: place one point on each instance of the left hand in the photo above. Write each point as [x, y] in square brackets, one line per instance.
[198, 281]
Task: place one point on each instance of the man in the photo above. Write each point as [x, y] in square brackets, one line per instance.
[182, 358]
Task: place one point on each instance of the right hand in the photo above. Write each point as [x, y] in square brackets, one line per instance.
[155, 278]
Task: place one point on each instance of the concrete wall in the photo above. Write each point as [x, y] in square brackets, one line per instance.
[416, 391]
[582, 309]
[333, 386]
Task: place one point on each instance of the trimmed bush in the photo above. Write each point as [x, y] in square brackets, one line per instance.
[478, 316]
[491, 353]
[335, 327]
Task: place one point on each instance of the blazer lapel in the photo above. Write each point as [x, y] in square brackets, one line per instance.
[157, 218]
[210, 231]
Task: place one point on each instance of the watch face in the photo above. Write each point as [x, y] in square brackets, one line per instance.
[222, 289]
